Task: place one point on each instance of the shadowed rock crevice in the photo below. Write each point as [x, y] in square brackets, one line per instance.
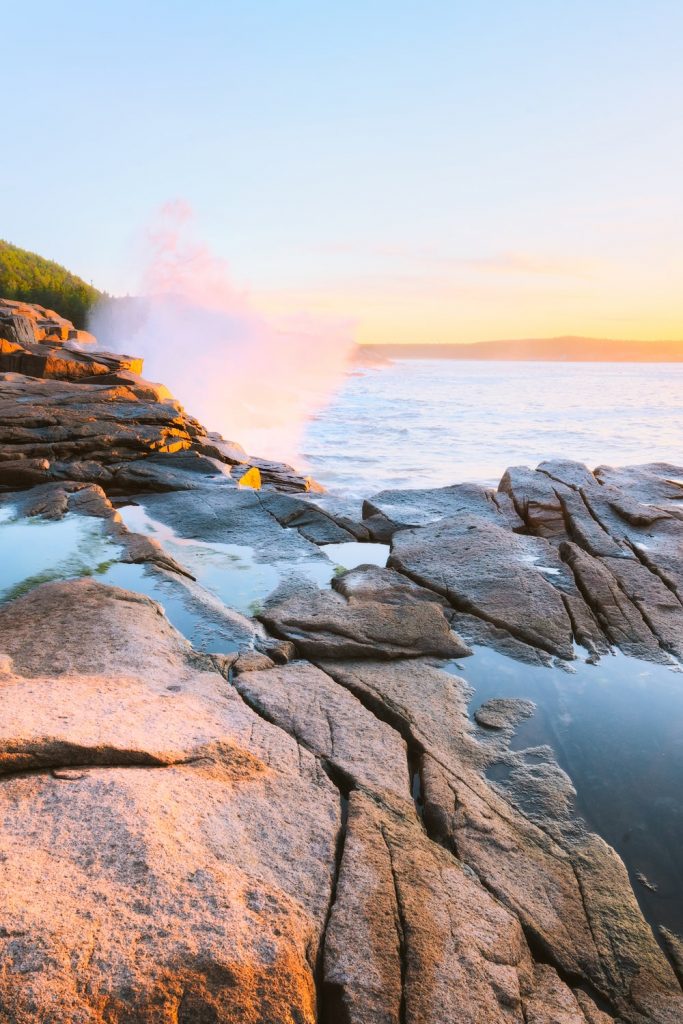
[326, 719]
[62, 756]
[401, 932]
[329, 1005]
[586, 628]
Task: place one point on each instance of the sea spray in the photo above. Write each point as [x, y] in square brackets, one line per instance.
[254, 379]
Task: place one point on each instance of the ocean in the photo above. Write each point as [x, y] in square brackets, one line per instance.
[432, 422]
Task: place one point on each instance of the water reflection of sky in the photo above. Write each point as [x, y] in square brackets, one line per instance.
[617, 730]
[33, 551]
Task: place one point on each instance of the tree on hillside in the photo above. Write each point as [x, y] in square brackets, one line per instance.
[27, 277]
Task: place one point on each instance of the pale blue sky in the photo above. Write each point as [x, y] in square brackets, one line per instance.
[468, 166]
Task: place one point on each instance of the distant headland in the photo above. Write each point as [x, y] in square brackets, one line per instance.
[567, 349]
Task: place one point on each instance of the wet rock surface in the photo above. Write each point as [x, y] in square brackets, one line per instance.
[306, 824]
[503, 713]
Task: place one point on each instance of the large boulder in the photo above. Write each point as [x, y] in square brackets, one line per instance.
[167, 855]
[489, 571]
[382, 623]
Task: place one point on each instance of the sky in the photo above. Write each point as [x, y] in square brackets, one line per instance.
[436, 172]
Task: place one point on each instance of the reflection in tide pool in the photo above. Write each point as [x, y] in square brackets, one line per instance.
[34, 551]
[617, 730]
[353, 553]
[206, 629]
[229, 571]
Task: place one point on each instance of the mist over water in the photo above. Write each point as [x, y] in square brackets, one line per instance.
[428, 423]
[286, 388]
[240, 372]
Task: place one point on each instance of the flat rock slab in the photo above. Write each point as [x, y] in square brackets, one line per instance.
[194, 890]
[476, 631]
[503, 712]
[312, 522]
[491, 572]
[324, 624]
[374, 583]
[419, 699]
[405, 508]
[330, 721]
[652, 483]
[228, 515]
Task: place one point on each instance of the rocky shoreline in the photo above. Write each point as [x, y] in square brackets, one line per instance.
[295, 819]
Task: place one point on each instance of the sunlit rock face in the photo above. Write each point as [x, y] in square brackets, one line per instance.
[167, 855]
[175, 844]
[38, 342]
[99, 421]
[29, 322]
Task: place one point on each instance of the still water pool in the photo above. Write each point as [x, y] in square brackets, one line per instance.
[34, 551]
[617, 730]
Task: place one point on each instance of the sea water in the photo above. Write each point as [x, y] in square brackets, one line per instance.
[432, 422]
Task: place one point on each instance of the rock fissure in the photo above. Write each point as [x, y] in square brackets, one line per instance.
[54, 765]
[327, 996]
[401, 932]
[541, 955]
[627, 633]
[595, 517]
[638, 605]
[341, 779]
[656, 570]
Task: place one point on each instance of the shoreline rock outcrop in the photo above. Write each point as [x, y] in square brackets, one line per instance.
[76, 413]
[301, 822]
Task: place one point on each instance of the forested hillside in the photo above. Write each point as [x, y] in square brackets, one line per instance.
[30, 278]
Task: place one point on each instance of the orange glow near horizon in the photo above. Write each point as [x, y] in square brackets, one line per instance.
[437, 315]
[504, 299]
